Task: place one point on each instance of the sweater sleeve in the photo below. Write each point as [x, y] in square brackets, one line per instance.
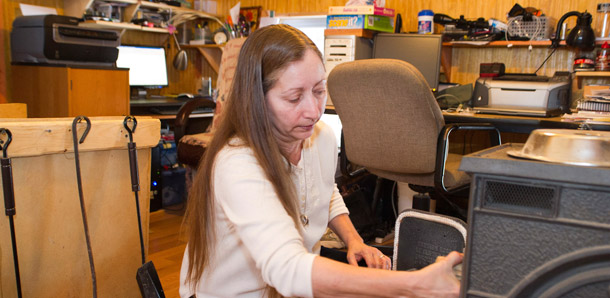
[268, 233]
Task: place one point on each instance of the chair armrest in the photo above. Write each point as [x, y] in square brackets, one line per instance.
[443, 150]
[182, 118]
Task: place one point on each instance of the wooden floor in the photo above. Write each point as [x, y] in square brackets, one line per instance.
[166, 247]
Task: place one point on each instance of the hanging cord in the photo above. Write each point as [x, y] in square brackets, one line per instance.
[9, 200]
[547, 58]
[135, 177]
[80, 193]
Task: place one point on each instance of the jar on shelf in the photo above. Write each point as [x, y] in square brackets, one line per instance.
[425, 22]
[602, 60]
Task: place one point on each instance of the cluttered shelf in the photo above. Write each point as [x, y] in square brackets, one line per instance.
[77, 8]
[100, 24]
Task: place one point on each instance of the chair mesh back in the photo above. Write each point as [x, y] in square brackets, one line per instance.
[421, 236]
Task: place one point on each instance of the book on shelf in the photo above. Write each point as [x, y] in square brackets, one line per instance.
[596, 105]
[371, 22]
[361, 9]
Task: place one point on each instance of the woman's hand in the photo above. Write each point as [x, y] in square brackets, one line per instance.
[438, 279]
[373, 257]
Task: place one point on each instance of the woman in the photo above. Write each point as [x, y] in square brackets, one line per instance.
[265, 193]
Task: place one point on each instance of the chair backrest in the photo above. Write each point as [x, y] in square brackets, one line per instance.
[228, 63]
[391, 120]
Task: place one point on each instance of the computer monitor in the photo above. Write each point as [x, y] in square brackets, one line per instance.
[312, 25]
[147, 66]
[421, 50]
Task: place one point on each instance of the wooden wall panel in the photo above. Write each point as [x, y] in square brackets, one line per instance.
[3, 56]
[471, 9]
[465, 60]
[465, 68]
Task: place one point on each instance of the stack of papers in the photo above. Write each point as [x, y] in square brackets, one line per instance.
[597, 101]
[588, 117]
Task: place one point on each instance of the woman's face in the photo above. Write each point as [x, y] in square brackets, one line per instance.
[297, 100]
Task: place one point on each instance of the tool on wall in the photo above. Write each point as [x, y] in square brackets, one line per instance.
[9, 199]
[147, 277]
[76, 141]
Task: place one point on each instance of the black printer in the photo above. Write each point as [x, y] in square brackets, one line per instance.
[59, 40]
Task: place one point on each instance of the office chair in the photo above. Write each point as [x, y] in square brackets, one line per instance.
[192, 141]
[393, 128]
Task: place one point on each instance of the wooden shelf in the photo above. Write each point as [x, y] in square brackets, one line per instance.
[211, 52]
[515, 43]
[503, 43]
[358, 32]
[590, 74]
[120, 26]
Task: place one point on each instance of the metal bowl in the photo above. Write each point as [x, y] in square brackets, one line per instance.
[567, 146]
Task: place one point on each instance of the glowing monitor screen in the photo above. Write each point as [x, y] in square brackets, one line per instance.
[421, 50]
[147, 65]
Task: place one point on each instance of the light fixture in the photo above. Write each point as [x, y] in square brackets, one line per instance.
[581, 36]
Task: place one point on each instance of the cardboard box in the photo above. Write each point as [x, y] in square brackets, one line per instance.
[371, 22]
[361, 9]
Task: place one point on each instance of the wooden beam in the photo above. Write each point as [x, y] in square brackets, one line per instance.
[3, 57]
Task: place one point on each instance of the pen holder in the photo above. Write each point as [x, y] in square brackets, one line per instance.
[199, 34]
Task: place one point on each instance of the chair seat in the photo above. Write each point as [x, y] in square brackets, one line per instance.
[191, 148]
[453, 177]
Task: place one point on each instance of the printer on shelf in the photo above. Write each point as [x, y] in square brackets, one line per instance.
[58, 39]
[523, 95]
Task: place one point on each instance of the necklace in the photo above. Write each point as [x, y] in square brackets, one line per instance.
[303, 217]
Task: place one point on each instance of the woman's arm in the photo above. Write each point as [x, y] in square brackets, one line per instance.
[334, 279]
[356, 248]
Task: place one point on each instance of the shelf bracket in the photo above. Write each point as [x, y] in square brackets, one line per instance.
[212, 55]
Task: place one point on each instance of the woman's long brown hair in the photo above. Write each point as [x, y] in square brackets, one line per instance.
[263, 56]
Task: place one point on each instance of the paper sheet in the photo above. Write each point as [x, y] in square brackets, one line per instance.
[32, 10]
[234, 13]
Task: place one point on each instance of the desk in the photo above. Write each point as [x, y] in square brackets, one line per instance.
[519, 124]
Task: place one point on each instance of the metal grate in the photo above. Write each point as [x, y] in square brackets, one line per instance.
[538, 200]
[539, 28]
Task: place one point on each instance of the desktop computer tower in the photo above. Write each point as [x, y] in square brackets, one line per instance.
[167, 179]
[536, 229]
[344, 48]
[156, 202]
